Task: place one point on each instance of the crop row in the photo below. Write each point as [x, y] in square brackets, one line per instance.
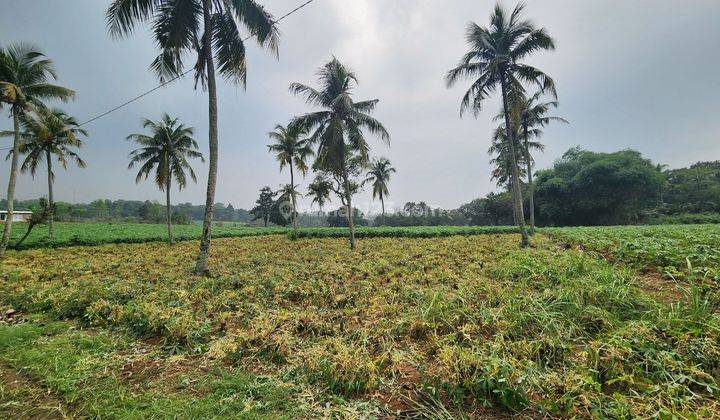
[90, 234]
[677, 251]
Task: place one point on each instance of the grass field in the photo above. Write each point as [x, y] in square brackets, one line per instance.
[439, 327]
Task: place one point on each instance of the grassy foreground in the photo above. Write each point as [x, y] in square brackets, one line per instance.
[453, 326]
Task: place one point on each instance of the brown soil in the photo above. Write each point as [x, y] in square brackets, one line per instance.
[661, 288]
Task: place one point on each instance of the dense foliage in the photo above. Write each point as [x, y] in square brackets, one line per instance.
[452, 324]
[692, 190]
[149, 211]
[589, 188]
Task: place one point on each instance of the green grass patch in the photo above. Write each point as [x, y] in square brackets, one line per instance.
[677, 251]
[92, 373]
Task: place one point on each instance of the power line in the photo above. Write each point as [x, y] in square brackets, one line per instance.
[165, 83]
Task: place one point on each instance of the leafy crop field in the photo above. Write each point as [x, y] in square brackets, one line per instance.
[88, 234]
[666, 248]
[441, 327]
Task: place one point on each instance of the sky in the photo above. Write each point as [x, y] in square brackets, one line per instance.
[639, 74]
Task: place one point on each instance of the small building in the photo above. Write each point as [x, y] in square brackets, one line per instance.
[18, 215]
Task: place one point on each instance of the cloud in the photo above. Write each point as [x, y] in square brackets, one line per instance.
[636, 74]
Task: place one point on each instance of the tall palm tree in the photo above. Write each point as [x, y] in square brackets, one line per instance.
[166, 151]
[291, 149]
[337, 129]
[494, 60]
[531, 116]
[50, 132]
[25, 75]
[379, 176]
[211, 30]
[320, 190]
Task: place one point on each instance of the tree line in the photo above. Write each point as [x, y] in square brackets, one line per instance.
[134, 211]
[582, 188]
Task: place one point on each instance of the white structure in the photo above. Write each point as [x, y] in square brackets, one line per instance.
[18, 215]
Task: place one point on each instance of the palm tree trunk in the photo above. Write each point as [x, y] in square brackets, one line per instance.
[168, 212]
[382, 204]
[517, 195]
[201, 267]
[27, 233]
[348, 199]
[11, 182]
[51, 201]
[531, 187]
[292, 191]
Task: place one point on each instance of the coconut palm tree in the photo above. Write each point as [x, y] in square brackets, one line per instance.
[25, 75]
[51, 132]
[379, 176]
[211, 30]
[291, 149]
[166, 151]
[500, 149]
[337, 129]
[532, 114]
[320, 190]
[494, 60]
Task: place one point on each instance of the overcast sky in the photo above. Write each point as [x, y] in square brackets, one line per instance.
[639, 74]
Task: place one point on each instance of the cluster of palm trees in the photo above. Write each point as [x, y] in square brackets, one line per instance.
[495, 61]
[337, 130]
[334, 132]
[39, 132]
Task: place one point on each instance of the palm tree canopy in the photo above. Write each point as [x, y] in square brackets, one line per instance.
[178, 30]
[500, 150]
[49, 131]
[290, 147]
[531, 112]
[339, 127]
[169, 145]
[496, 53]
[320, 190]
[379, 176]
[25, 73]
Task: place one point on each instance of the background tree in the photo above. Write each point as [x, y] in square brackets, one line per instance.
[502, 173]
[264, 205]
[379, 176]
[210, 30]
[590, 188]
[284, 209]
[337, 129]
[494, 60]
[320, 190]
[48, 133]
[291, 149]
[532, 115]
[166, 151]
[694, 189]
[25, 75]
